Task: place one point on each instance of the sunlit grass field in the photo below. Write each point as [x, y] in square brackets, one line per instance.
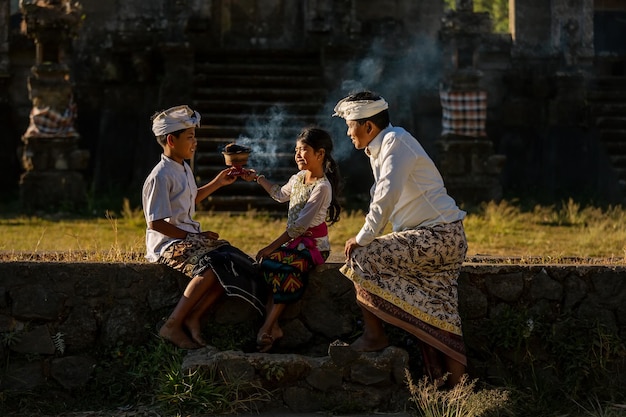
[548, 233]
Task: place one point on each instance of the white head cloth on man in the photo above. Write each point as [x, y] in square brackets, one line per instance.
[174, 119]
[359, 109]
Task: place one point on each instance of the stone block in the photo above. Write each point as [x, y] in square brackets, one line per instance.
[36, 302]
[543, 286]
[508, 287]
[72, 372]
[36, 341]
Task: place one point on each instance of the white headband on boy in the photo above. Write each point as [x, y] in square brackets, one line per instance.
[173, 119]
[359, 109]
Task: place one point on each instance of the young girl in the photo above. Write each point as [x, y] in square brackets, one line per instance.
[312, 195]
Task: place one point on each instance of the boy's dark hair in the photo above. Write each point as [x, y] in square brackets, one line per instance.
[380, 120]
[318, 139]
[162, 139]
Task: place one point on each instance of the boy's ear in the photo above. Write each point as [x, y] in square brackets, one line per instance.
[170, 139]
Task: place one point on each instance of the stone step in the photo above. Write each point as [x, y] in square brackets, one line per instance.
[242, 203]
[277, 174]
[604, 109]
[257, 81]
[258, 56]
[273, 68]
[618, 162]
[284, 132]
[609, 95]
[297, 92]
[614, 136]
[309, 106]
[611, 122]
[609, 83]
[251, 118]
[259, 146]
[258, 98]
[621, 174]
[216, 158]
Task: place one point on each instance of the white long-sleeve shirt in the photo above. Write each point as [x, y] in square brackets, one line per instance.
[408, 189]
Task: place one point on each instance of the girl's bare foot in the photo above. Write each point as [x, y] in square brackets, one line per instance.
[265, 340]
[365, 344]
[177, 336]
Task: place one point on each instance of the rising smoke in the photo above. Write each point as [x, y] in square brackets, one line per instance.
[400, 74]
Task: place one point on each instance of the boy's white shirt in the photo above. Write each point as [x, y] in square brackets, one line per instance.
[169, 192]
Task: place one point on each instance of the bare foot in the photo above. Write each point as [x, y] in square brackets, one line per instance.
[364, 344]
[195, 330]
[177, 336]
[277, 332]
[265, 341]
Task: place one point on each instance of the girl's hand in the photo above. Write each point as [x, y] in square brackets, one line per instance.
[264, 253]
[210, 235]
[249, 175]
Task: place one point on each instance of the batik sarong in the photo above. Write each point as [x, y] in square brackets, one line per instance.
[409, 279]
[236, 271]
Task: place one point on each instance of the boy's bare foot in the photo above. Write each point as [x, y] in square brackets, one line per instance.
[194, 328]
[177, 337]
[363, 344]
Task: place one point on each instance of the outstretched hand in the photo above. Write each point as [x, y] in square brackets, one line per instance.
[249, 175]
[223, 177]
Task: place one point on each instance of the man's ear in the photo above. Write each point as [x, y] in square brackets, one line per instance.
[369, 126]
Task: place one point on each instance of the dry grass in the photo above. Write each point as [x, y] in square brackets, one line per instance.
[556, 234]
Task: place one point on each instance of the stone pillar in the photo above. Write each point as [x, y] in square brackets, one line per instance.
[5, 13]
[465, 154]
[572, 32]
[51, 155]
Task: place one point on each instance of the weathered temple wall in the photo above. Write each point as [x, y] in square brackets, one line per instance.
[133, 58]
[57, 318]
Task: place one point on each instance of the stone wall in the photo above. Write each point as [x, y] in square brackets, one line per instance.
[55, 319]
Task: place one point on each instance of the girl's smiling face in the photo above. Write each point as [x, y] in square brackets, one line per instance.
[308, 158]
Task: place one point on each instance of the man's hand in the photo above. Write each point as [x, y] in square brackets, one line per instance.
[350, 246]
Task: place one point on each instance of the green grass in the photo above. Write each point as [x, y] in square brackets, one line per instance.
[551, 234]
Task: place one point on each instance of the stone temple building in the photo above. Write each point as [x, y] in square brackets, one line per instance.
[538, 112]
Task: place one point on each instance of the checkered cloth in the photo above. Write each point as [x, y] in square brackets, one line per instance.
[464, 112]
[47, 122]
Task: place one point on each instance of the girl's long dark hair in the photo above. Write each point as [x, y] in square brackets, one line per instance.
[318, 139]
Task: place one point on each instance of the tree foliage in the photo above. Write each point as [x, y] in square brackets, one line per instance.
[497, 9]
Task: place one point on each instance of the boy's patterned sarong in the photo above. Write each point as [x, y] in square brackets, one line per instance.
[235, 270]
[286, 271]
[409, 279]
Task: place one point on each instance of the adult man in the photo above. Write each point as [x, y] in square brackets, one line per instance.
[407, 278]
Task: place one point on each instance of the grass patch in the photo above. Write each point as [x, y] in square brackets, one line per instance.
[547, 234]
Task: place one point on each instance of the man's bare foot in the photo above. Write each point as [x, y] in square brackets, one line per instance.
[177, 337]
[364, 344]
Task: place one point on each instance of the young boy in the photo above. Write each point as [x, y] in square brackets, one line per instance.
[173, 238]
